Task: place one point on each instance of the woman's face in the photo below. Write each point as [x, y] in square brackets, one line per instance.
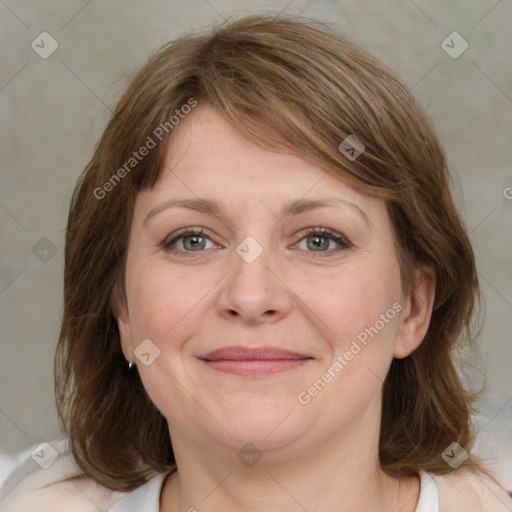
[256, 278]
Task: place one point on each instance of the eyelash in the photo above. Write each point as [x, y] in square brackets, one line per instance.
[318, 231]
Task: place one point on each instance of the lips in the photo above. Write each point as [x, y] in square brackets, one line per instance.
[253, 361]
[243, 353]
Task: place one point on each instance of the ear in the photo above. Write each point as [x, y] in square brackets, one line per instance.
[416, 314]
[120, 310]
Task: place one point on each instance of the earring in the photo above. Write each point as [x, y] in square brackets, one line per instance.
[130, 364]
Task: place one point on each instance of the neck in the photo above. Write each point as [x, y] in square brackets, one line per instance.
[340, 474]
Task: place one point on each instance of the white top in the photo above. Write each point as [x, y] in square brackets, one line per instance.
[429, 498]
[37, 481]
[147, 497]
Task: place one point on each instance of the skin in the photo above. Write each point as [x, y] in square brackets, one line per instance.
[322, 455]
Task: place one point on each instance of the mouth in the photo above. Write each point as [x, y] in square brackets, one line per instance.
[253, 361]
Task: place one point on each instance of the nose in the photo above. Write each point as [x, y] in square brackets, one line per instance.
[253, 291]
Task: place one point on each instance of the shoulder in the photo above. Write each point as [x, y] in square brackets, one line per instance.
[45, 485]
[471, 491]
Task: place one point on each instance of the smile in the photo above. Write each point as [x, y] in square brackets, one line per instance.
[253, 362]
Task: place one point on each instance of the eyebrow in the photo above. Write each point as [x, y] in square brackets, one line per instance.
[294, 207]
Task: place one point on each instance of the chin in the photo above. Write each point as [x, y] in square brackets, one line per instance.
[267, 425]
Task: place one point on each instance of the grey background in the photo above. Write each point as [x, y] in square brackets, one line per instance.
[53, 111]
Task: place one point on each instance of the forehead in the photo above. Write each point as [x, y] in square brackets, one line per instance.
[208, 157]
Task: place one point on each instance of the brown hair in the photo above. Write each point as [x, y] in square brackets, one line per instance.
[293, 85]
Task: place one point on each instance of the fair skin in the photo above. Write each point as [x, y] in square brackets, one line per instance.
[304, 293]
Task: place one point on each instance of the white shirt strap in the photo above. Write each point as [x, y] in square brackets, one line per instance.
[429, 497]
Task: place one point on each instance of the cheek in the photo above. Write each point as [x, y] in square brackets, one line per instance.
[165, 301]
[361, 317]
[352, 303]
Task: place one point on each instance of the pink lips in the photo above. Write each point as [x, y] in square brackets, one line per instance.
[253, 361]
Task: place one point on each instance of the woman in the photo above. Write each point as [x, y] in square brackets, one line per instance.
[265, 281]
